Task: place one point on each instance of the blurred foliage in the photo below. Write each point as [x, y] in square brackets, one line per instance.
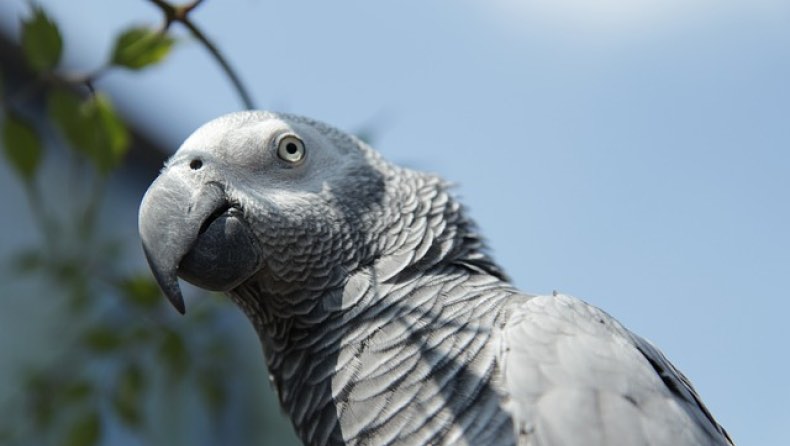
[123, 345]
[140, 47]
[90, 126]
[22, 146]
[41, 41]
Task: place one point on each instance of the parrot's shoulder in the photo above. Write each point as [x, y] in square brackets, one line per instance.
[572, 374]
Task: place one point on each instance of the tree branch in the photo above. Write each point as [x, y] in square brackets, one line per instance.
[180, 14]
[229, 71]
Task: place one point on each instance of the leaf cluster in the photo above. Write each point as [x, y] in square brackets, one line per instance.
[89, 121]
[121, 349]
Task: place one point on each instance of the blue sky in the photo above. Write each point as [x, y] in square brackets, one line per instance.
[633, 153]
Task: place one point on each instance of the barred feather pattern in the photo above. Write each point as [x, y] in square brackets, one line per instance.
[394, 347]
[384, 321]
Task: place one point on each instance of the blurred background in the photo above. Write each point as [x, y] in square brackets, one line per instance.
[635, 154]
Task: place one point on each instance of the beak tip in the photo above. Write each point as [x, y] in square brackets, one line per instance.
[172, 292]
[178, 303]
[166, 277]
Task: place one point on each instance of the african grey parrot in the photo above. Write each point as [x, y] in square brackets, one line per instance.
[383, 318]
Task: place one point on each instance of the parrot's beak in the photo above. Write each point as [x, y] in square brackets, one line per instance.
[191, 230]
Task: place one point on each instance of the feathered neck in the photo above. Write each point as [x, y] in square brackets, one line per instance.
[424, 242]
[418, 226]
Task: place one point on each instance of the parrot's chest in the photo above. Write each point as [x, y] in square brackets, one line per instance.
[434, 387]
[419, 367]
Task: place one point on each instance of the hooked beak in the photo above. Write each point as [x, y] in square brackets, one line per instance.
[191, 230]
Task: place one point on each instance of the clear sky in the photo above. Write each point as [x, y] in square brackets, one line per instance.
[633, 153]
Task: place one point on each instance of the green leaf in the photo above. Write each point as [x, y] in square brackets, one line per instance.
[41, 41]
[22, 146]
[213, 390]
[86, 431]
[112, 133]
[39, 390]
[36, 381]
[128, 397]
[102, 339]
[90, 126]
[79, 297]
[140, 47]
[28, 261]
[173, 352]
[77, 391]
[141, 291]
[66, 109]
[143, 334]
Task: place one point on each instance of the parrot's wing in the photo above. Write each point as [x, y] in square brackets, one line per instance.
[575, 376]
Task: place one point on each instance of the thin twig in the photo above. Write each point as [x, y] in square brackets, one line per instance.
[88, 219]
[186, 9]
[181, 14]
[229, 71]
[168, 9]
[46, 225]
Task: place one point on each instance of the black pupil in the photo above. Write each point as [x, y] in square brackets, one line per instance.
[196, 164]
[291, 148]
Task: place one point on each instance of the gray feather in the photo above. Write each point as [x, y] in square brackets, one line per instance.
[382, 316]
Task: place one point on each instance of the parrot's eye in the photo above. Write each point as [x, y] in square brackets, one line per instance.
[290, 148]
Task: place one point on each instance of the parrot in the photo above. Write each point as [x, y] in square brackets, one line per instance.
[382, 316]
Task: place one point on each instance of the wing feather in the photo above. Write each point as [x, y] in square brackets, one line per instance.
[576, 376]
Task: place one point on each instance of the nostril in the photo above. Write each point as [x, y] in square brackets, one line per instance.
[195, 164]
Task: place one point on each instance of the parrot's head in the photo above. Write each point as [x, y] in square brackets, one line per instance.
[258, 196]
